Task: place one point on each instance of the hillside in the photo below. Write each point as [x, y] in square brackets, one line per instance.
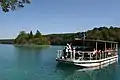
[101, 33]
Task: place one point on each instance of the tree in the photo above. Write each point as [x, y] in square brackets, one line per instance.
[8, 5]
[28, 38]
[38, 34]
[31, 35]
[21, 38]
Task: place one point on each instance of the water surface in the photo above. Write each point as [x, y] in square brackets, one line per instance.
[20, 63]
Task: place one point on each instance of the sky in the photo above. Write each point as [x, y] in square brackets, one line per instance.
[60, 16]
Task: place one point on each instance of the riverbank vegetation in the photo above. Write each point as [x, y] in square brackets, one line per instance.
[30, 39]
[101, 33]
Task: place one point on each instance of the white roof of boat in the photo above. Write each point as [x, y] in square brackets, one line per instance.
[96, 40]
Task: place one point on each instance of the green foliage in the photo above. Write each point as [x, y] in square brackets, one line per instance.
[25, 38]
[60, 39]
[22, 38]
[38, 34]
[31, 35]
[8, 5]
[101, 33]
[104, 33]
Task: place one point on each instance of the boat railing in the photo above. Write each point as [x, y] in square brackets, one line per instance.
[87, 55]
[59, 53]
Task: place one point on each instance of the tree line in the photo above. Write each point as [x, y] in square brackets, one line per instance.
[101, 33]
[104, 33]
[31, 39]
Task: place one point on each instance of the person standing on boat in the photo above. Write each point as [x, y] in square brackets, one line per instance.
[74, 51]
[94, 53]
[69, 50]
[65, 52]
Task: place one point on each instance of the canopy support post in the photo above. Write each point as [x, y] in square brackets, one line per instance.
[111, 46]
[105, 46]
[96, 45]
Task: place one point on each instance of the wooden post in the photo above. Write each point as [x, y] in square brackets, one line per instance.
[82, 56]
[90, 56]
[100, 55]
[74, 54]
[96, 45]
[116, 47]
[71, 55]
[105, 51]
[105, 45]
[105, 54]
[96, 56]
[111, 46]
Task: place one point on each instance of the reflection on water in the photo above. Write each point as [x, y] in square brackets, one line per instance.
[28, 58]
[19, 63]
[76, 73]
[70, 72]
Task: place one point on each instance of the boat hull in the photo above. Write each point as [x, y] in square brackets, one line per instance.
[91, 63]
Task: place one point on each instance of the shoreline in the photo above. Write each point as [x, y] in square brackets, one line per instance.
[31, 46]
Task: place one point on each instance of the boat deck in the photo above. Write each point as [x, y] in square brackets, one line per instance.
[90, 63]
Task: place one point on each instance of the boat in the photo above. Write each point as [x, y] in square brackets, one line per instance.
[89, 53]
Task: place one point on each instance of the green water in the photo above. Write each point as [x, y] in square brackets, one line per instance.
[19, 63]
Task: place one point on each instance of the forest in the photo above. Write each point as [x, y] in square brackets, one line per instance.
[31, 39]
[100, 33]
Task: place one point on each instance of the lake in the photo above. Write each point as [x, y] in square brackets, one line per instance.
[20, 63]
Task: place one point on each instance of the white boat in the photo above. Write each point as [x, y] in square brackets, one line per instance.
[105, 53]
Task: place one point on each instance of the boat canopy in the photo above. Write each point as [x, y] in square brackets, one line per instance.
[95, 44]
[90, 40]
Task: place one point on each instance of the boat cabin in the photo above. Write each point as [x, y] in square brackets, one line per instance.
[85, 49]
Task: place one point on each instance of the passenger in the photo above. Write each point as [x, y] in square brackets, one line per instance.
[102, 51]
[107, 49]
[99, 53]
[94, 51]
[106, 53]
[69, 50]
[113, 48]
[65, 51]
[74, 52]
[109, 53]
[69, 46]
